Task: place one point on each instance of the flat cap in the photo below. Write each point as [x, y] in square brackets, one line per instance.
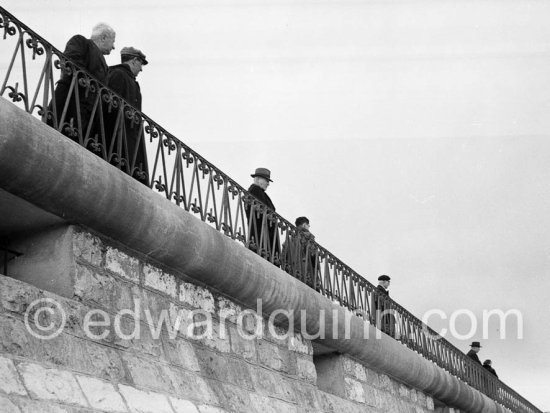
[132, 51]
[384, 278]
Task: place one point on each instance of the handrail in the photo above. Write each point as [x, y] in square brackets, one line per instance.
[106, 124]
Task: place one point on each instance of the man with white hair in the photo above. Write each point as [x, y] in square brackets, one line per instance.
[87, 54]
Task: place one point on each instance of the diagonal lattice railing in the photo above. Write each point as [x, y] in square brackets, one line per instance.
[100, 120]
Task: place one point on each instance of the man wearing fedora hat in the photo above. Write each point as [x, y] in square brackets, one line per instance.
[260, 241]
[122, 80]
[475, 347]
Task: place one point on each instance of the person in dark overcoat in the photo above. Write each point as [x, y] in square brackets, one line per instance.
[487, 365]
[259, 240]
[88, 54]
[383, 310]
[299, 255]
[475, 347]
[122, 80]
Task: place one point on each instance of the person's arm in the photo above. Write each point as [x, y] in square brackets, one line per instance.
[77, 50]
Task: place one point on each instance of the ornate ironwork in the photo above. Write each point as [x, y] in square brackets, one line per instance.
[185, 177]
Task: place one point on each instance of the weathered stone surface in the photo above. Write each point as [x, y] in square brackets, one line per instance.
[146, 373]
[197, 297]
[122, 265]
[354, 369]
[51, 384]
[101, 395]
[160, 281]
[6, 406]
[88, 247]
[190, 386]
[141, 401]
[306, 369]
[203, 408]
[226, 369]
[180, 352]
[354, 390]
[9, 379]
[183, 406]
[242, 345]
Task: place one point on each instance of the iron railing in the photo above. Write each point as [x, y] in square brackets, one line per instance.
[114, 130]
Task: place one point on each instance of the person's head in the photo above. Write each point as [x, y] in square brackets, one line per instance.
[487, 362]
[262, 177]
[475, 346]
[103, 36]
[134, 58]
[384, 281]
[302, 223]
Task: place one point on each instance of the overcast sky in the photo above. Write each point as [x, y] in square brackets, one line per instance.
[414, 135]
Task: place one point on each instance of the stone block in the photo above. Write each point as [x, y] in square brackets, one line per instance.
[372, 378]
[6, 406]
[272, 384]
[241, 345]
[306, 369]
[10, 382]
[103, 362]
[228, 310]
[141, 401]
[196, 297]
[232, 397]
[87, 247]
[272, 356]
[41, 406]
[211, 333]
[183, 406]
[15, 296]
[307, 397]
[160, 281]
[122, 264]
[354, 369]
[192, 386]
[146, 373]
[429, 403]
[299, 344]
[51, 384]
[180, 352]
[101, 395]
[203, 408]
[404, 391]
[354, 390]
[223, 368]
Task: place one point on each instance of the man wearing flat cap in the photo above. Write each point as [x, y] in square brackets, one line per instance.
[385, 318]
[122, 80]
[261, 240]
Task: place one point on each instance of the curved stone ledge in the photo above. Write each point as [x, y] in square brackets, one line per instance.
[45, 168]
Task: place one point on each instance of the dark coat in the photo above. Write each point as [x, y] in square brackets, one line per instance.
[85, 53]
[300, 260]
[257, 220]
[490, 369]
[122, 81]
[381, 304]
[473, 355]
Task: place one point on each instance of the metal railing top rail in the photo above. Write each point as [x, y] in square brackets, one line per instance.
[101, 120]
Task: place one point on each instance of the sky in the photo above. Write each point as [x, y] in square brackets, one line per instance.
[414, 134]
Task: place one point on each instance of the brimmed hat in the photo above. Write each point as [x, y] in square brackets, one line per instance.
[263, 172]
[132, 51]
[475, 344]
[384, 278]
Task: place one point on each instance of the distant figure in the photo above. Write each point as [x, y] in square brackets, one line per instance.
[122, 80]
[88, 54]
[487, 365]
[268, 241]
[475, 347]
[296, 252]
[383, 306]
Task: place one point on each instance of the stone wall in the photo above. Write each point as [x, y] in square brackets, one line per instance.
[111, 356]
